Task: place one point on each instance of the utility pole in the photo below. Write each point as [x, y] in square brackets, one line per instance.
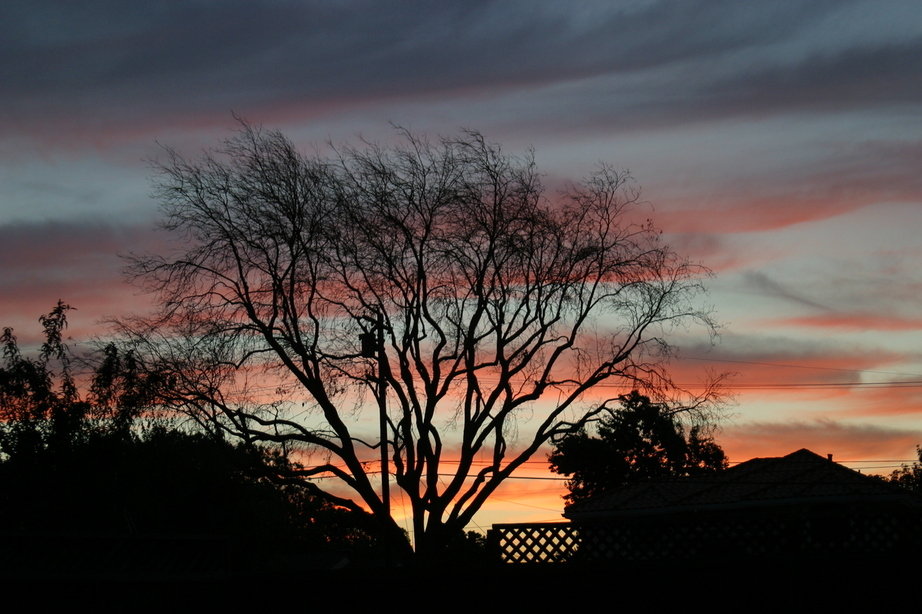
[382, 409]
[373, 347]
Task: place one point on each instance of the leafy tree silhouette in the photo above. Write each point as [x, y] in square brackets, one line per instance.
[641, 441]
[909, 476]
[96, 466]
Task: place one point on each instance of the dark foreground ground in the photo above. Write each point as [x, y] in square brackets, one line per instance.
[781, 585]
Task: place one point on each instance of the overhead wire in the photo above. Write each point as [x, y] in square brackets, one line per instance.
[818, 385]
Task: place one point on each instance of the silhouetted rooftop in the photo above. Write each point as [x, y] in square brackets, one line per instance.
[800, 477]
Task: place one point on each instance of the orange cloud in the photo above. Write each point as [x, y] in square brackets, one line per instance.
[848, 443]
[751, 215]
[856, 321]
[882, 401]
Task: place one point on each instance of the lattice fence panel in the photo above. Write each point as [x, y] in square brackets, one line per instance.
[752, 536]
[536, 543]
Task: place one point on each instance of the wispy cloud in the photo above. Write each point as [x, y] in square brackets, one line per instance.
[636, 65]
[846, 442]
[763, 284]
[78, 263]
[853, 321]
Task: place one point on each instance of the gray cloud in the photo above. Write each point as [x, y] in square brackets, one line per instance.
[76, 262]
[682, 61]
[41, 262]
[57, 245]
[763, 284]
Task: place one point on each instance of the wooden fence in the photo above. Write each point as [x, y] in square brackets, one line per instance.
[535, 543]
[825, 531]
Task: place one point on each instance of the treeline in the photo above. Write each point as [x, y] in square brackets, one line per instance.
[94, 458]
[101, 464]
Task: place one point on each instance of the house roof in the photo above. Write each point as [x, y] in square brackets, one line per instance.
[800, 477]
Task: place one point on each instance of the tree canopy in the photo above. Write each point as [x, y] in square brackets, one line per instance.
[92, 463]
[40, 404]
[435, 279]
[909, 476]
[640, 441]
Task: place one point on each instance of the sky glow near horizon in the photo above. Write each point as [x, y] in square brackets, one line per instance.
[779, 144]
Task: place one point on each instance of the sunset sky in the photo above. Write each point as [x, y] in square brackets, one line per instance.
[778, 143]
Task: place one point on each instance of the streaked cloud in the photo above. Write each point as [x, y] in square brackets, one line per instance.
[41, 263]
[845, 441]
[855, 321]
[633, 65]
[764, 284]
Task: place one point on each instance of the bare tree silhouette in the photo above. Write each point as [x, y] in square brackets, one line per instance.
[435, 277]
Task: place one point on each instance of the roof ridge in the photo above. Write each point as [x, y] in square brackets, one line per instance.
[798, 476]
